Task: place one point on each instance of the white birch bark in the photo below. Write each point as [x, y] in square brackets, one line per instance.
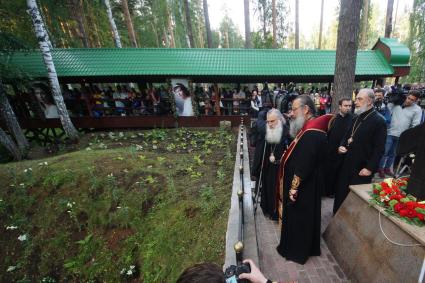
[11, 122]
[45, 47]
[8, 143]
[117, 38]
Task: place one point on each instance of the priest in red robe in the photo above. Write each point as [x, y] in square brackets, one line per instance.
[301, 181]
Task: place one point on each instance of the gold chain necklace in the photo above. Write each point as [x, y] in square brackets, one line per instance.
[354, 130]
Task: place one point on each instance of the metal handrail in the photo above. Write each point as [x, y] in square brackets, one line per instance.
[239, 245]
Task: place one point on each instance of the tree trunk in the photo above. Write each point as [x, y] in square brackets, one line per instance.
[365, 17]
[170, 29]
[114, 29]
[264, 22]
[11, 122]
[78, 14]
[226, 38]
[321, 25]
[207, 23]
[8, 143]
[395, 17]
[346, 51]
[188, 23]
[274, 23]
[40, 33]
[129, 23]
[389, 18]
[247, 25]
[297, 25]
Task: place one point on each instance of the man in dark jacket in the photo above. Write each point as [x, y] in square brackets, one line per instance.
[362, 147]
[338, 128]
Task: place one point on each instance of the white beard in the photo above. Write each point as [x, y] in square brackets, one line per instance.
[296, 126]
[274, 136]
[360, 110]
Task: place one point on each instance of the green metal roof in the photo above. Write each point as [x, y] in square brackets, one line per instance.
[399, 53]
[205, 63]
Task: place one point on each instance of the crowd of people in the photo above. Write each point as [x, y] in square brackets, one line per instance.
[301, 156]
[305, 154]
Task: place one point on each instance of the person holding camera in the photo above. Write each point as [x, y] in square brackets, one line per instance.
[212, 273]
[404, 115]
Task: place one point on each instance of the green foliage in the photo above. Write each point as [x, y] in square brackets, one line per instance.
[90, 217]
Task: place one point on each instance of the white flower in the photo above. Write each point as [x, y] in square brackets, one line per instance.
[132, 266]
[23, 237]
[121, 134]
[69, 204]
[27, 170]
[118, 207]
[129, 272]
[88, 148]
[11, 227]
[154, 147]
[11, 268]
[125, 171]
[22, 184]
[122, 271]
[111, 175]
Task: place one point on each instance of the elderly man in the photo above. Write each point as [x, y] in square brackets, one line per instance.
[266, 164]
[362, 146]
[300, 182]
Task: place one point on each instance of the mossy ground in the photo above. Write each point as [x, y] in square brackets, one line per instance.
[126, 207]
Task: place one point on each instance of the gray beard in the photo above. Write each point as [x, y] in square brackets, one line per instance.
[360, 110]
[296, 126]
[274, 136]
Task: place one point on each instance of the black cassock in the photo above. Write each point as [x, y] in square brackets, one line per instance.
[269, 173]
[300, 236]
[365, 151]
[336, 133]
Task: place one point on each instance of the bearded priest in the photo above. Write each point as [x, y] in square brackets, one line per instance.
[266, 164]
[301, 181]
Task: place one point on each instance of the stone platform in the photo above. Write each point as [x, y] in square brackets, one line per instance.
[355, 236]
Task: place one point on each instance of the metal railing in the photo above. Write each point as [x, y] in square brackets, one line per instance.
[239, 244]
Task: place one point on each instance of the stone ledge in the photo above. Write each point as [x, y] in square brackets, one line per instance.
[250, 236]
[355, 239]
[418, 233]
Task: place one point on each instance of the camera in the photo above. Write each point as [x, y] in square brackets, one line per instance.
[397, 95]
[232, 273]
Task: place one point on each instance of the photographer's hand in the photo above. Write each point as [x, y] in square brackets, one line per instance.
[255, 276]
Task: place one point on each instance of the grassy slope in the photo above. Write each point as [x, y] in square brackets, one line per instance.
[157, 201]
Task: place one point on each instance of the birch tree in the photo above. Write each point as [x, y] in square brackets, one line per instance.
[114, 29]
[9, 117]
[45, 47]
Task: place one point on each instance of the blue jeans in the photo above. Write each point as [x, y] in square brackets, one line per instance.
[390, 147]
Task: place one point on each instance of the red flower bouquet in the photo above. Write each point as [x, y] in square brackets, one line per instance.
[391, 194]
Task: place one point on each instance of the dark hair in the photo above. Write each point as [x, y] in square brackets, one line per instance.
[306, 100]
[380, 90]
[343, 99]
[202, 272]
[415, 93]
[183, 88]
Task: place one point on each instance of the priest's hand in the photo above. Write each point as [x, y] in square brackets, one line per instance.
[342, 150]
[293, 195]
[365, 172]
